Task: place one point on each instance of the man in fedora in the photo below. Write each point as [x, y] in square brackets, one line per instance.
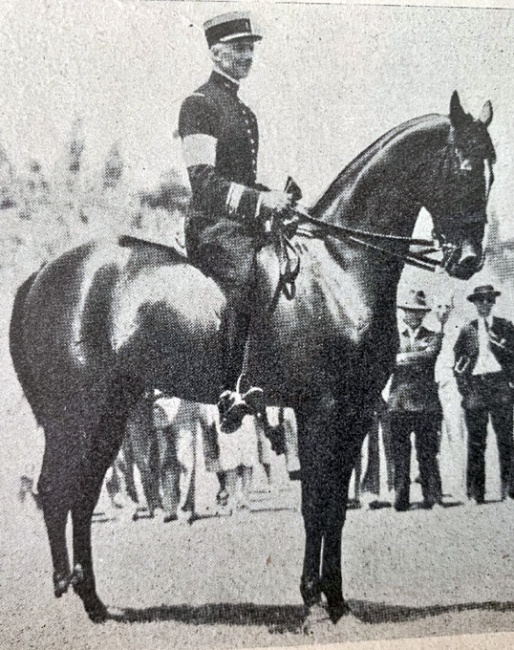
[484, 369]
[224, 229]
[413, 403]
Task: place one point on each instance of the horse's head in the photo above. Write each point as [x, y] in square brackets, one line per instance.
[460, 189]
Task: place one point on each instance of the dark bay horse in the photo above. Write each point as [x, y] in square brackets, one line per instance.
[102, 323]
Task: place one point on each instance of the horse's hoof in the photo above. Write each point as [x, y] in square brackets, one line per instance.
[336, 611]
[61, 584]
[317, 617]
[98, 613]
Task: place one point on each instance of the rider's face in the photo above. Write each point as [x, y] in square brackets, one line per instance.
[234, 58]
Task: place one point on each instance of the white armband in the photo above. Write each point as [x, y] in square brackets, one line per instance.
[199, 149]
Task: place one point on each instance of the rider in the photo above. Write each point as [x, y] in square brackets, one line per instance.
[224, 229]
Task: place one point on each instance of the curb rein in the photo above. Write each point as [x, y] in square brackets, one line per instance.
[290, 260]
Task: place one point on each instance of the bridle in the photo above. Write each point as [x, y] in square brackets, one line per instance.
[385, 244]
[382, 243]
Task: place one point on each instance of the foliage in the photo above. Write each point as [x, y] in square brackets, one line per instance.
[44, 214]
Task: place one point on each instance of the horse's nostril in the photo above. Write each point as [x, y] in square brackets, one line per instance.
[466, 268]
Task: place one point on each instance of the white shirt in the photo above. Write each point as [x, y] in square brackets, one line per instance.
[486, 361]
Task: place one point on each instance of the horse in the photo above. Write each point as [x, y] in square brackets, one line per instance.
[102, 323]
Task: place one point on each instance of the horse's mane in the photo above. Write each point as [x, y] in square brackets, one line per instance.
[380, 146]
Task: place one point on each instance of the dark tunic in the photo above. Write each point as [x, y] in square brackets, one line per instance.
[222, 232]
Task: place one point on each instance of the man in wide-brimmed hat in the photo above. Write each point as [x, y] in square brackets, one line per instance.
[413, 403]
[484, 368]
[220, 141]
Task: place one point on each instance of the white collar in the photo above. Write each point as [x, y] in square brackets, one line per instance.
[487, 319]
[227, 76]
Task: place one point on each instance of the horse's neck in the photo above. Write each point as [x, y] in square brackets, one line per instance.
[380, 194]
[380, 191]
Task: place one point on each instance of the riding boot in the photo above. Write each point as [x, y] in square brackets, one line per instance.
[237, 399]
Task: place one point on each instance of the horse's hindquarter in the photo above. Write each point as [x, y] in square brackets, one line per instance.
[102, 311]
[65, 315]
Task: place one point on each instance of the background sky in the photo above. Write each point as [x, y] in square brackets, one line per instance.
[327, 81]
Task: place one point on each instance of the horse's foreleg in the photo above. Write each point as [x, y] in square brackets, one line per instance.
[345, 452]
[312, 439]
[105, 444]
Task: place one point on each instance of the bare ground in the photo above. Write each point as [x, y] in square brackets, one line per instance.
[232, 582]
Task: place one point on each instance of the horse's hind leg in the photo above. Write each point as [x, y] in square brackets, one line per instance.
[105, 443]
[57, 487]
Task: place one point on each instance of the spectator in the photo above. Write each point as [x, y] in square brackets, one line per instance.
[453, 431]
[484, 368]
[414, 405]
[238, 455]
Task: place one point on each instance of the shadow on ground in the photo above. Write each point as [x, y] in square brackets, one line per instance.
[289, 618]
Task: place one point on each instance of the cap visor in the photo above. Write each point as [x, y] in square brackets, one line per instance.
[237, 37]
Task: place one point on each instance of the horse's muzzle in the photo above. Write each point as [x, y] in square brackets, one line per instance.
[464, 261]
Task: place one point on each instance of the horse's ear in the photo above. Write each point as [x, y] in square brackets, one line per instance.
[457, 113]
[486, 114]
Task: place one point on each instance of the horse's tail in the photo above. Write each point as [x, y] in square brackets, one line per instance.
[16, 345]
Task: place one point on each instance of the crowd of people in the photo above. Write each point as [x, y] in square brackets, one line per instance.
[172, 445]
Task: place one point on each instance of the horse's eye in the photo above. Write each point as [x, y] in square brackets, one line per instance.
[464, 163]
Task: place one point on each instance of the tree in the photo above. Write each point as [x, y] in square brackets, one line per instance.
[114, 166]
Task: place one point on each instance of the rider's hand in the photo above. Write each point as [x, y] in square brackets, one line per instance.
[276, 202]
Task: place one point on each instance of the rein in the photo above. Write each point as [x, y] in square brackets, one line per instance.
[371, 240]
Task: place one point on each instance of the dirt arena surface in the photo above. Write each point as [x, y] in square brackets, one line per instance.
[233, 582]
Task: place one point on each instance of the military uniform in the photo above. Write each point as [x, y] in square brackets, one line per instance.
[220, 140]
